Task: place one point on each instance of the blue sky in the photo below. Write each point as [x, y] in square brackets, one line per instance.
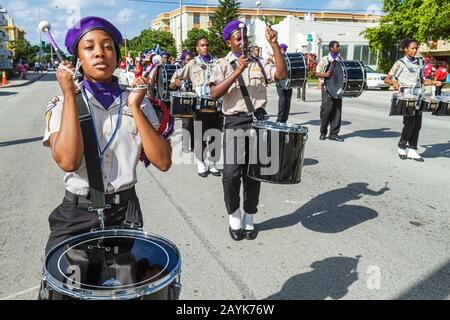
[134, 16]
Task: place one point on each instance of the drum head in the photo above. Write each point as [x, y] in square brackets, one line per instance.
[112, 264]
[334, 84]
[280, 126]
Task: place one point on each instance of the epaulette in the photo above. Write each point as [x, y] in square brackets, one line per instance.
[52, 104]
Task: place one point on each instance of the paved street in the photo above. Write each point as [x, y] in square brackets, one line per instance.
[362, 224]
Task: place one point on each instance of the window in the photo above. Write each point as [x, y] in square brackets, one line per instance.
[196, 18]
[364, 54]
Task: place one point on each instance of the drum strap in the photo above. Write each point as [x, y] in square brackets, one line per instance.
[91, 156]
[244, 90]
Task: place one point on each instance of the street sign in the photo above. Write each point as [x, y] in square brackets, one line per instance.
[310, 38]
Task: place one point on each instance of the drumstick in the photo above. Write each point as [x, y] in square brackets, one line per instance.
[45, 27]
[242, 27]
[258, 5]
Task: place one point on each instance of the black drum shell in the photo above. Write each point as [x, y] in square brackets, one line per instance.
[428, 105]
[297, 70]
[163, 77]
[182, 106]
[442, 109]
[291, 156]
[402, 107]
[209, 105]
[348, 79]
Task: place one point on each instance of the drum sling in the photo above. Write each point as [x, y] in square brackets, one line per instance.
[96, 188]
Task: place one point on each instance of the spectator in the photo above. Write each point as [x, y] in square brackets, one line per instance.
[429, 69]
[23, 71]
[440, 75]
[122, 64]
[130, 62]
[138, 70]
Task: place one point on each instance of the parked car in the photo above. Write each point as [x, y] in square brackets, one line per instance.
[375, 80]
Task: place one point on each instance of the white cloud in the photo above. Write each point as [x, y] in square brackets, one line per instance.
[125, 14]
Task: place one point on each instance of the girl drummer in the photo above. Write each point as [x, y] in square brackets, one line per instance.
[407, 73]
[124, 123]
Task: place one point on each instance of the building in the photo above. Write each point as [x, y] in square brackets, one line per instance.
[5, 55]
[14, 32]
[322, 25]
[438, 50]
[294, 32]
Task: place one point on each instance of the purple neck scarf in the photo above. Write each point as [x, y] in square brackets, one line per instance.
[334, 55]
[206, 58]
[411, 59]
[105, 93]
[237, 54]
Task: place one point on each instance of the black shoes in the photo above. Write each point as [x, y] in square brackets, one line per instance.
[236, 235]
[337, 138]
[215, 173]
[322, 137]
[203, 174]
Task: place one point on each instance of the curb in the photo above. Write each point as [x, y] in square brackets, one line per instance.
[23, 84]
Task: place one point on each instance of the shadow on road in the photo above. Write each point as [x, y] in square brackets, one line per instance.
[372, 133]
[330, 278]
[14, 142]
[328, 213]
[317, 123]
[310, 162]
[435, 287]
[6, 93]
[436, 150]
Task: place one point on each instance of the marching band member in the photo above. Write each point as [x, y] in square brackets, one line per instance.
[124, 124]
[224, 83]
[408, 76]
[285, 96]
[184, 86]
[198, 71]
[331, 109]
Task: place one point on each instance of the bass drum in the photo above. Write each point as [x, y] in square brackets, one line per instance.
[280, 152]
[112, 264]
[348, 79]
[163, 77]
[297, 69]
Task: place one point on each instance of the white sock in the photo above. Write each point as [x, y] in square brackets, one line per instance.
[248, 221]
[235, 220]
[201, 166]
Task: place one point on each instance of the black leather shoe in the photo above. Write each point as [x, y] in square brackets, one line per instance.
[250, 234]
[339, 139]
[236, 235]
[203, 174]
[322, 137]
[216, 174]
[402, 156]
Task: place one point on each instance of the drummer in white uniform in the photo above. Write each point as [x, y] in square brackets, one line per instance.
[124, 124]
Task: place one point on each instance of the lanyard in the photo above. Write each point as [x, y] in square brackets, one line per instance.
[95, 130]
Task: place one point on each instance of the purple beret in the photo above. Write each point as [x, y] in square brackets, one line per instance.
[87, 24]
[283, 46]
[186, 53]
[230, 28]
[165, 53]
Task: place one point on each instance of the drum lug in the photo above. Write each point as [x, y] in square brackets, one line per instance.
[286, 139]
[176, 289]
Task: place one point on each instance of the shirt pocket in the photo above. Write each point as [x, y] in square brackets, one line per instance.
[197, 76]
[256, 76]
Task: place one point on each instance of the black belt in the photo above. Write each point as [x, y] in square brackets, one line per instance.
[120, 197]
[239, 114]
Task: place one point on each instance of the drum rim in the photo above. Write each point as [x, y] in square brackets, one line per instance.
[117, 294]
[297, 128]
[179, 94]
[286, 83]
[345, 72]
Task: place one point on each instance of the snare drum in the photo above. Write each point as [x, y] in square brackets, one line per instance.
[116, 264]
[403, 104]
[297, 70]
[207, 104]
[443, 107]
[281, 148]
[182, 104]
[428, 103]
[348, 79]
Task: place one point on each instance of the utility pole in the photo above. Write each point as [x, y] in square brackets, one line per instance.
[126, 54]
[181, 26]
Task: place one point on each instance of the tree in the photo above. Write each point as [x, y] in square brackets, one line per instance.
[423, 20]
[150, 39]
[22, 50]
[227, 11]
[192, 36]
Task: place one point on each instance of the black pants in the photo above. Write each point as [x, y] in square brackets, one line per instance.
[236, 160]
[72, 218]
[439, 90]
[330, 115]
[188, 128]
[284, 104]
[410, 132]
[208, 121]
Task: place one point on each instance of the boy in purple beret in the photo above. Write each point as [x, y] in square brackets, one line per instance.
[284, 96]
[238, 115]
[124, 124]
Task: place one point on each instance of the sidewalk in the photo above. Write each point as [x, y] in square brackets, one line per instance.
[31, 77]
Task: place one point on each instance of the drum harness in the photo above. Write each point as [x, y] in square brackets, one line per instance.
[96, 188]
[207, 71]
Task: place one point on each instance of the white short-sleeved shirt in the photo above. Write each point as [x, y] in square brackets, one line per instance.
[121, 157]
